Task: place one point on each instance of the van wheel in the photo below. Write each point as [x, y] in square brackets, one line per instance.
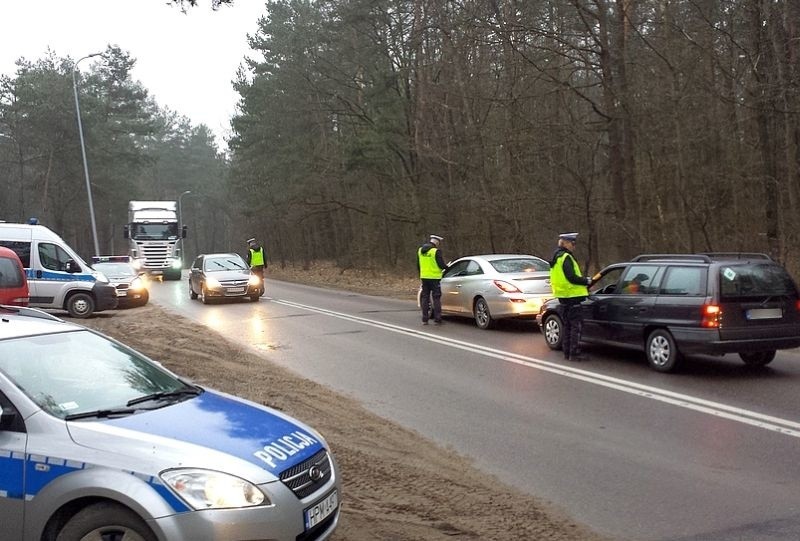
[483, 318]
[758, 358]
[553, 330]
[80, 305]
[662, 353]
[106, 520]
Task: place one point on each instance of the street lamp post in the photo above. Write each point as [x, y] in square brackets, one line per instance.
[180, 221]
[83, 152]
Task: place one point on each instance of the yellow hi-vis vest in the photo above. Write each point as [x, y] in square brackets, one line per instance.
[257, 257]
[427, 265]
[563, 288]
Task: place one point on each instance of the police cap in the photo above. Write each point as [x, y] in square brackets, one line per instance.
[572, 237]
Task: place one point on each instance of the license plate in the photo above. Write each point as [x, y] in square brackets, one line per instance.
[764, 313]
[235, 290]
[321, 510]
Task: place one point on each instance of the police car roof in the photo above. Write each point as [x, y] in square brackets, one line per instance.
[111, 259]
[17, 322]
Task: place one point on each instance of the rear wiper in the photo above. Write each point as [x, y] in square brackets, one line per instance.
[114, 412]
[164, 395]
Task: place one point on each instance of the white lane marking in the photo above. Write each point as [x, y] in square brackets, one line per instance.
[717, 409]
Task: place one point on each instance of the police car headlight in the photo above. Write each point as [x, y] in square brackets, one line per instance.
[206, 489]
[137, 284]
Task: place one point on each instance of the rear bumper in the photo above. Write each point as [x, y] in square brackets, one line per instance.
[517, 305]
[708, 341]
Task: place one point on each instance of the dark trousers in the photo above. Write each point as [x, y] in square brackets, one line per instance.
[572, 316]
[258, 270]
[431, 288]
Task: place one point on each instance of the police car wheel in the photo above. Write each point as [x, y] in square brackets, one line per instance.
[103, 521]
[80, 305]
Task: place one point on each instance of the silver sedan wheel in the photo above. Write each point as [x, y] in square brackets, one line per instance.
[483, 318]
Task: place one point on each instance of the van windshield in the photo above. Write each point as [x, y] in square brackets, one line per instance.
[755, 280]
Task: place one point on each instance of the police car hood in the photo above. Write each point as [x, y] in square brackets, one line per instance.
[212, 430]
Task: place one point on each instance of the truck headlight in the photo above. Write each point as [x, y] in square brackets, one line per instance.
[206, 489]
[176, 264]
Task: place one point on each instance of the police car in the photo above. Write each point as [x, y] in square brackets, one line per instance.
[123, 273]
[99, 442]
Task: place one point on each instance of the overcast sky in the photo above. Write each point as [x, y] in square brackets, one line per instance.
[186, 61]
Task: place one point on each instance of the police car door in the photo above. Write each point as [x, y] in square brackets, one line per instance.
[13, 442]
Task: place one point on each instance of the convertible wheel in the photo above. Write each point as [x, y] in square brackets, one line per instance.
[758, 358]
[662, 353]
[483, 318]
[552, 331]
[103, 521]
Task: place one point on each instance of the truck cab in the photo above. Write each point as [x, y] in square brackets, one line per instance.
[155, 237]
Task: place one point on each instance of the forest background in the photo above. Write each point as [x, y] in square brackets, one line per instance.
[649, 126]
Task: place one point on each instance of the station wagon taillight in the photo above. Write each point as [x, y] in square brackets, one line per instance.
[711, 315]
[506, 287]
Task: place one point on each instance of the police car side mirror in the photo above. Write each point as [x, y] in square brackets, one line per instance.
[72, 267]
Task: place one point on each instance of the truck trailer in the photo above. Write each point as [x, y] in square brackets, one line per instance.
[155, 237]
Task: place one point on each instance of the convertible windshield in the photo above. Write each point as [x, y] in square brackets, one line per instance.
[77, 372]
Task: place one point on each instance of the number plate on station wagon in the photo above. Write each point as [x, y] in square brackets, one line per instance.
[321, 510]
[764, 313]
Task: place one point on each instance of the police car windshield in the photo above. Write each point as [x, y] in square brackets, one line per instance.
[68, 374]
[115, 269]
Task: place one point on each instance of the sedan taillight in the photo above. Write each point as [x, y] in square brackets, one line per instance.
[711, 314]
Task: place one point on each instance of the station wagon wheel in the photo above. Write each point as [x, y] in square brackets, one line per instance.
[80, 305]
[662, 353]
[758, 358]
[483, 318]
[552, 329]
[105, 521]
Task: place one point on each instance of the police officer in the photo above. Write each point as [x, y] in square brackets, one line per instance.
[571, 289]
[431, 265]
[256, 259]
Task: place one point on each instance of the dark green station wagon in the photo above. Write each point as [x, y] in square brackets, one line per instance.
[675, 305]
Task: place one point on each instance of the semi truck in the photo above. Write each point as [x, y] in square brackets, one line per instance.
[155, 237]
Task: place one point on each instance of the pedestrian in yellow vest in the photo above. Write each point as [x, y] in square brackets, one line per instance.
[431, 265]
[571, 288]
[256, 259]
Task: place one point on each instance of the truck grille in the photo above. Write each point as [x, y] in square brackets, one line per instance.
[155, 254]
[302, 480]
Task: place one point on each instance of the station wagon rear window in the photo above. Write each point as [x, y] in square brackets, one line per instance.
[755, 280]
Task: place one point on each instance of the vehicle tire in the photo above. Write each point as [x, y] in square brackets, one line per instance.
[758, 358]
[172, 275]
[552, 330]
[105, 520]
[255, 298]
[204, 295]
[483, 318]
[192, 294]
[145, 299]
[661, 351]
[80, 305]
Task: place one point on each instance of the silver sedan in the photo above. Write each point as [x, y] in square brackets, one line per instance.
[496, 286]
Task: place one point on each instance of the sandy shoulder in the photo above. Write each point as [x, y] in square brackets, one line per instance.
[396, 484]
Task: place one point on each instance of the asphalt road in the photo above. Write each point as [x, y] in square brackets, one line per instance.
[710, 453]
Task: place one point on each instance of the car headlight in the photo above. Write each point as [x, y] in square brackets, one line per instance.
[176, 264]
[254, 280]
[137, 284]
[212, 282]
[206, 489]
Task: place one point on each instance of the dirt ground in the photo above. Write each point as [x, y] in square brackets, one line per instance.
[396, 484]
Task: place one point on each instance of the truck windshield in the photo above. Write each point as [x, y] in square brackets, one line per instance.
[155, 231]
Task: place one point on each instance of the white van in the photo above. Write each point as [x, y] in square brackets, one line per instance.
[57, 277]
